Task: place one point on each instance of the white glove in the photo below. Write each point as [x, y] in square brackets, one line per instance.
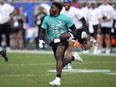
[83, 34]
[41, 42]
[71, 37]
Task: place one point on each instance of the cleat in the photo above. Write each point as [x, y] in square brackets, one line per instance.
[4, 55]
[55, 82]
[69, 66]
[77, 57]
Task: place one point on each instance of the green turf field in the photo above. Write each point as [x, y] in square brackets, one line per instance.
[36, 70]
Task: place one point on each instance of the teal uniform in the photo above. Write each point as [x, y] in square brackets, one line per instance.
[55, 26]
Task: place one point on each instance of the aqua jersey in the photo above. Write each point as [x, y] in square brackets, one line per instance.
[55, 26]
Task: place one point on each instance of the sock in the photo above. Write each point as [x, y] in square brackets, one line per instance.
[58, 75]
[73, 58]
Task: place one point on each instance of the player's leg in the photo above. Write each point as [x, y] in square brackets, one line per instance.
[2, 52]
[20, 39]
[4, 55]
[108, 40]
[86, 42]
[7, 32]
[14, 39]
[58, 50]
[69, 54]
[100, 40]
[96, 27]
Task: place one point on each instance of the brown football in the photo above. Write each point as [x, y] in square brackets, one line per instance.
[65, 36]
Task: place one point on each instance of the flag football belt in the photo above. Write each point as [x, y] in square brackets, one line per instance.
[55, 40]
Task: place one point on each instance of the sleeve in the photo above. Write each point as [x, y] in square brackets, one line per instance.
[44, 23]
[69, 22]
[43, 29]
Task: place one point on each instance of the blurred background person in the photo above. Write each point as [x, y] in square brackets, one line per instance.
[17, 29]
[106, 11]
[94, 21]
[6, 11]
[80, 4]
[38, 18]
[24, 22]
[83, 8]
[81, 26]
[114, 24]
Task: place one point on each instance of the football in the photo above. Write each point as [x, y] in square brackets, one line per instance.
[65, 36]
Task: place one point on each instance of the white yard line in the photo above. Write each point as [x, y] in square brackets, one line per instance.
[105, 71]
[112, 73]
[25, 75]
[83, 70]
[51, 52]
[34, 64]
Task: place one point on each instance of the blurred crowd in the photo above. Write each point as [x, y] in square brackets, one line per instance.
[101, 22]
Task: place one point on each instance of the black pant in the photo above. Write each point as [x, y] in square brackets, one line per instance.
[5, 29]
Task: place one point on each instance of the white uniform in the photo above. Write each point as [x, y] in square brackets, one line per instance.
[75, 16]
[93, 16]
[106, 10]
[83, 12]
[5, 11]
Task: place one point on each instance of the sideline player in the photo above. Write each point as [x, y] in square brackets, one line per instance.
[4, 55]
[6, 13]
[94, 20]
[81, 26]
[56, 24]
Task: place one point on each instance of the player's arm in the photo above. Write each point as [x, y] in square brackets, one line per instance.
[41, 34]
[73, 29]
[42, 29]
[41, 37]
[84, 23]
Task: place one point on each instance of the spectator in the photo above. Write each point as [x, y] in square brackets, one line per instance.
[24, 21]
[38, 21]
[114, 24]
[17, 27]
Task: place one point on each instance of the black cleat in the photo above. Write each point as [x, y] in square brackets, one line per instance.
[4, 55]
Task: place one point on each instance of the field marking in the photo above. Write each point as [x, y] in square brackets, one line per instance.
[42, 64]
[83, 70]
[113, 73]
[25, 75]
[51, 52]
[31, 51]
